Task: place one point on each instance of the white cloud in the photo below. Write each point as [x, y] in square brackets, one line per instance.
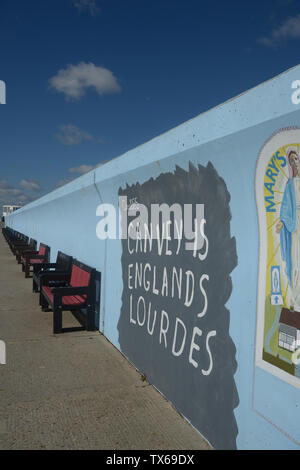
[11, 195]
[289, 29]
[72, 135]
[81, 169]
[74, 80]
[87, 5]
[30, 185]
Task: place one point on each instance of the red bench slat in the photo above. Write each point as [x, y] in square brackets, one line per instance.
[42, 250]
[79, 277]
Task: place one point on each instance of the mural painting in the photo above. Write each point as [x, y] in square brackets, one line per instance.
[278, 201]
[174, 324]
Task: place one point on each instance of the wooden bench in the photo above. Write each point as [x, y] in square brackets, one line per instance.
[15, 238]
[77, 294]
[20, 249]
[18, 242]
[22, 240]
[29, 258]
[41, 272]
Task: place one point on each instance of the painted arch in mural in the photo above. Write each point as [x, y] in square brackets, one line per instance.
[277, 187]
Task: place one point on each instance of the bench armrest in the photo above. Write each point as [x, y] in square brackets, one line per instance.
[43, 267]
[37, 256]
[54, 276]
[23, 248]
[48, 265]
[69, 290]
[29, 253]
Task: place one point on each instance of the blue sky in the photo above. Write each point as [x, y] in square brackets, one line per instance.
[87, 80]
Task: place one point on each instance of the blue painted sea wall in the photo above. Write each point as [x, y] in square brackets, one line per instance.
[215, 382]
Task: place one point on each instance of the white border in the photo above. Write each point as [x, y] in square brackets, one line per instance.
[279, 139]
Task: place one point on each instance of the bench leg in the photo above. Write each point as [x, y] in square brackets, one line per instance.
[89, 318]
[27, 268]
[43, 303]
[57, 320]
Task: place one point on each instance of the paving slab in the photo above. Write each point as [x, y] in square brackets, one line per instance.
[74, 390]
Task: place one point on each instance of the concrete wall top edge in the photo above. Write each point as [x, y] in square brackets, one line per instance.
[233, 115]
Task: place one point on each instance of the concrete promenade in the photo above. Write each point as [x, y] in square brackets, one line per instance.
[74, 390]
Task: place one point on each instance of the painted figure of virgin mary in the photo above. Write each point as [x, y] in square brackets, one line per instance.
[289, 227]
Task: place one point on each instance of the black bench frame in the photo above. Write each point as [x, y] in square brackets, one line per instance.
[59, 292]
[23, 241]
[62, 266]
[28, 255]
[20, 249]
